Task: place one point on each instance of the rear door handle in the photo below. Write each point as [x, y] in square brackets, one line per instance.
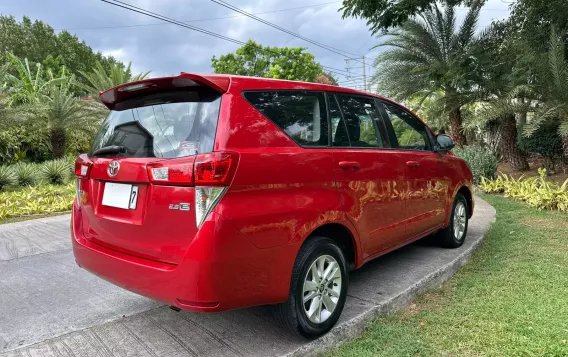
[412, 163]
[349, 164]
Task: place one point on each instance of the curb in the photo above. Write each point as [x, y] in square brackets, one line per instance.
[355, 327]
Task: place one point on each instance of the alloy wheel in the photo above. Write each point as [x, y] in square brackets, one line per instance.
[460, 220]
[322, 289]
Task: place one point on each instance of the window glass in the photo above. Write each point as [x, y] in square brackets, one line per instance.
[361, 118]
[301, 114]
[338, 130]
[167, 130]
[410, 133]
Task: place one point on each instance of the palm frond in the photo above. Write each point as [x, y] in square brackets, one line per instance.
[99, 79]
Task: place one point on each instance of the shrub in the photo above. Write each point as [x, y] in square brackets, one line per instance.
[56, 171]
[481, 162]
[31, 139]
[545, 141]
[7, 177]
[26, 174]
[535, 191]
[36, 200]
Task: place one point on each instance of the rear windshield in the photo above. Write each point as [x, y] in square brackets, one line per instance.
[165, 126]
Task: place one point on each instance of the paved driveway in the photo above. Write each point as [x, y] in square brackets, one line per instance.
[50, 307]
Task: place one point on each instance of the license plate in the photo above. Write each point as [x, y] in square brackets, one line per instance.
[120, 195]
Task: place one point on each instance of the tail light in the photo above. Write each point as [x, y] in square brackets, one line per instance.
[177, 172]
[210, 174]
[206, 198]
[83, 166]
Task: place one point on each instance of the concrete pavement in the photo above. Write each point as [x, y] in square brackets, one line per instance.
[50, 307]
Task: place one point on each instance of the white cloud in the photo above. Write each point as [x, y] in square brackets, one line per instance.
[170, 49]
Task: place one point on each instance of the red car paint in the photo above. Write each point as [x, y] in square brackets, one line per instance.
[279, 194]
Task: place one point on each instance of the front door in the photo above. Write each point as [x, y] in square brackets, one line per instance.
[427, 180]
[369, 179]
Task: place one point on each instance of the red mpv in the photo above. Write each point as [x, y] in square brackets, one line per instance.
[216, 192]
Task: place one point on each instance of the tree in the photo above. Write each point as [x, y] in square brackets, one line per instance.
[256, 60]
[384, 14]
[37, 41]
[99, 79]
[326, 78]
[35, 102]
[551, 89]
[429, 55]
[533, 21]
[503, 75]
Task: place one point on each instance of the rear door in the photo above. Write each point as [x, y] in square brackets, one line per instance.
[428, 179]
[121, 209]
[369, 178]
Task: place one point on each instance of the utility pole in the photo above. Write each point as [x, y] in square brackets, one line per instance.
[364, 75]
[355, 77]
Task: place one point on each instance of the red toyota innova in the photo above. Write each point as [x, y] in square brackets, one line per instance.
[216, 192]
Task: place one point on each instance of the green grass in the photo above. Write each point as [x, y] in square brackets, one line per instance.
[19, 203]
[510, 300]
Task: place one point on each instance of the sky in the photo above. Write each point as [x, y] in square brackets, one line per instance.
[167, 49]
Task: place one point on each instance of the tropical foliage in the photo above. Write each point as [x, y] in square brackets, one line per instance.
[481, 162]
[100, 79]
[535, 191]
[486, 86]
[430, 54]
[33, 200]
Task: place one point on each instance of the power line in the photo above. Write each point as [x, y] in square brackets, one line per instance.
[175, 22]
[198, 20]
[167, 19]
[336, 69]
[321, 45]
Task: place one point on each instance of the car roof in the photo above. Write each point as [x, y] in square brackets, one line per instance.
[246, 82]
[228, 82]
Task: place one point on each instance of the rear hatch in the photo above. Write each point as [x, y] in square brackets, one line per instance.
[136, 186]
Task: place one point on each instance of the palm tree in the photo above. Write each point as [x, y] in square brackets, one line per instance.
[502, 86]
[428, 55]
[99, 79]
[552, 89]
[545, 95]
[62, 112]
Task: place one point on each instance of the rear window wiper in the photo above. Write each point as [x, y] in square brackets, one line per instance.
[112, 149]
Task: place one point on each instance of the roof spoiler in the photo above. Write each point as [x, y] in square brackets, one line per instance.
[185, 80]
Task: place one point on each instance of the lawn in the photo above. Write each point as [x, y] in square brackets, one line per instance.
[510, 300]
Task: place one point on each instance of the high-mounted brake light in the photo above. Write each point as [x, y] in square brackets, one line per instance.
[83, 166]
[133, 87]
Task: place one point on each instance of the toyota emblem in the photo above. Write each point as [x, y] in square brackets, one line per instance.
[113, 168]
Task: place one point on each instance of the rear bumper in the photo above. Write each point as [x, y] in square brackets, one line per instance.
[221, 270]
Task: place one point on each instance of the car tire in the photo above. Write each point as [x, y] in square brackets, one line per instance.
[324, 296]
[453, 236]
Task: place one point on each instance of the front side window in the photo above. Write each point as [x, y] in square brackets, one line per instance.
[410, 133]
[361, 122]
[300, 114]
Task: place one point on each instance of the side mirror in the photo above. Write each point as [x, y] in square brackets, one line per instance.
[444, 143]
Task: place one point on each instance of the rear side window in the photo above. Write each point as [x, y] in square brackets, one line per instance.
[300, 114]
[361, 122]
[165, 126]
